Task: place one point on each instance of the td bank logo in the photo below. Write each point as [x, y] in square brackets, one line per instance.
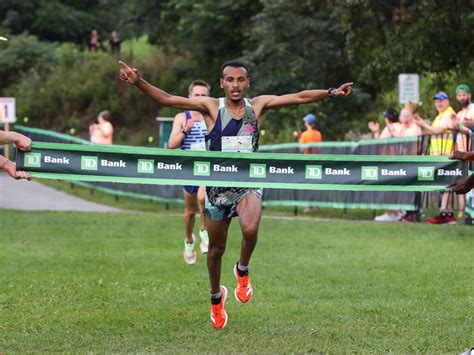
[314, 172]
[145, 166]
[202, 168]
[88, 163]
[258, 171]
[370, 173]
[426, 173]
[32, 160]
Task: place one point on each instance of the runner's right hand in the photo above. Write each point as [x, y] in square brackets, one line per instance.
[128, 74]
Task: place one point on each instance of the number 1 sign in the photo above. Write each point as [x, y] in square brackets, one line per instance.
[7, 109]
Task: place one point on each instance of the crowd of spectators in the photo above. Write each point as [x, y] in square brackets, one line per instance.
[448, 131]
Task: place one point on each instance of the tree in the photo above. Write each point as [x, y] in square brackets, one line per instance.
[300, 45]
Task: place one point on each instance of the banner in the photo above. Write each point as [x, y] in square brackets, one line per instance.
[281, 171]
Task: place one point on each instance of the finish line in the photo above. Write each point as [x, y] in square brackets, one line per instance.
[269, 170]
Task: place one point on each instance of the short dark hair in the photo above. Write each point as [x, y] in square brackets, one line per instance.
[234, 64]
[391, 114]
[199, 83]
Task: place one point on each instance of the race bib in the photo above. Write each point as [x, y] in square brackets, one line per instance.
[238, 144]
[198, 146]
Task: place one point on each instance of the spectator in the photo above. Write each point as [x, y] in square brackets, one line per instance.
[102, 132]
[311, 135]
[465, 118]
[445, 122]
[392, 125]
[466, 114]
[392, 129]
[409, 129]
[115, 44]
[94, 42]
[21, 142]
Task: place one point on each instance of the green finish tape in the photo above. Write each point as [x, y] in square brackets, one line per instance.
[270, 170]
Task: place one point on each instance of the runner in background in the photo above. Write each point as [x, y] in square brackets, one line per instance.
[188, 133]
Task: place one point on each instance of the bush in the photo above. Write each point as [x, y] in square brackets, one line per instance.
[77, 85]
[20, 55]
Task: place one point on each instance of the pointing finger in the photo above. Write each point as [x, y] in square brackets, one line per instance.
[123, 64]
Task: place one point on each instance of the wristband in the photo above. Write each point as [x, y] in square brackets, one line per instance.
[183, 131]
[330, 94]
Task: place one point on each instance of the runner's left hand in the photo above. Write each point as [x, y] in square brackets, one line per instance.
[344, 90]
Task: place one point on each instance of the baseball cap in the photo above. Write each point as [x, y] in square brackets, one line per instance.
[463, 87]
[441, 96]
[310, 118]
[391, 113]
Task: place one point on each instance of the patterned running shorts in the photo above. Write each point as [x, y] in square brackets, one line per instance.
[221, 202]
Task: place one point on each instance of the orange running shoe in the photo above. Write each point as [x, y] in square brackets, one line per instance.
[218, 313]
[243, 291]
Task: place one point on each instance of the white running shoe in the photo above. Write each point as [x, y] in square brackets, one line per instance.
[190, 255]
[387, 217]
[204, 245]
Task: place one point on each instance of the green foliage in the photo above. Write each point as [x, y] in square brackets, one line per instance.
[61, 20]
[295, 46]
[91, 85]
[23, 54]
[214, 33]
[414, 36]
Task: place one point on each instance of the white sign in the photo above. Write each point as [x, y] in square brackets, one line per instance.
[408, 88]
[7, 109]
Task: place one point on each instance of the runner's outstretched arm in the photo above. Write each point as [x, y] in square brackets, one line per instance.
[303, 97]
[132, 76]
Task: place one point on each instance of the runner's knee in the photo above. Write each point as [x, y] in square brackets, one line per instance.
[249, 230]
[216, 250]
[189, 213]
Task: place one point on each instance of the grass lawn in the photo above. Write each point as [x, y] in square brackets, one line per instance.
[81, 282]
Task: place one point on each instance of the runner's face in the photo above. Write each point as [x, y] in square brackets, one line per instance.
[463, 98]
[199, 90]
[235, 83]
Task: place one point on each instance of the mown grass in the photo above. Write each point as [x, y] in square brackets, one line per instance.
[117, 283]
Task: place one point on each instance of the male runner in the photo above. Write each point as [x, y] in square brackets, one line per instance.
[188, 133]
[231, 121]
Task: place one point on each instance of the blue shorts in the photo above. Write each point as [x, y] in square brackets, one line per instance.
[191, 189]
